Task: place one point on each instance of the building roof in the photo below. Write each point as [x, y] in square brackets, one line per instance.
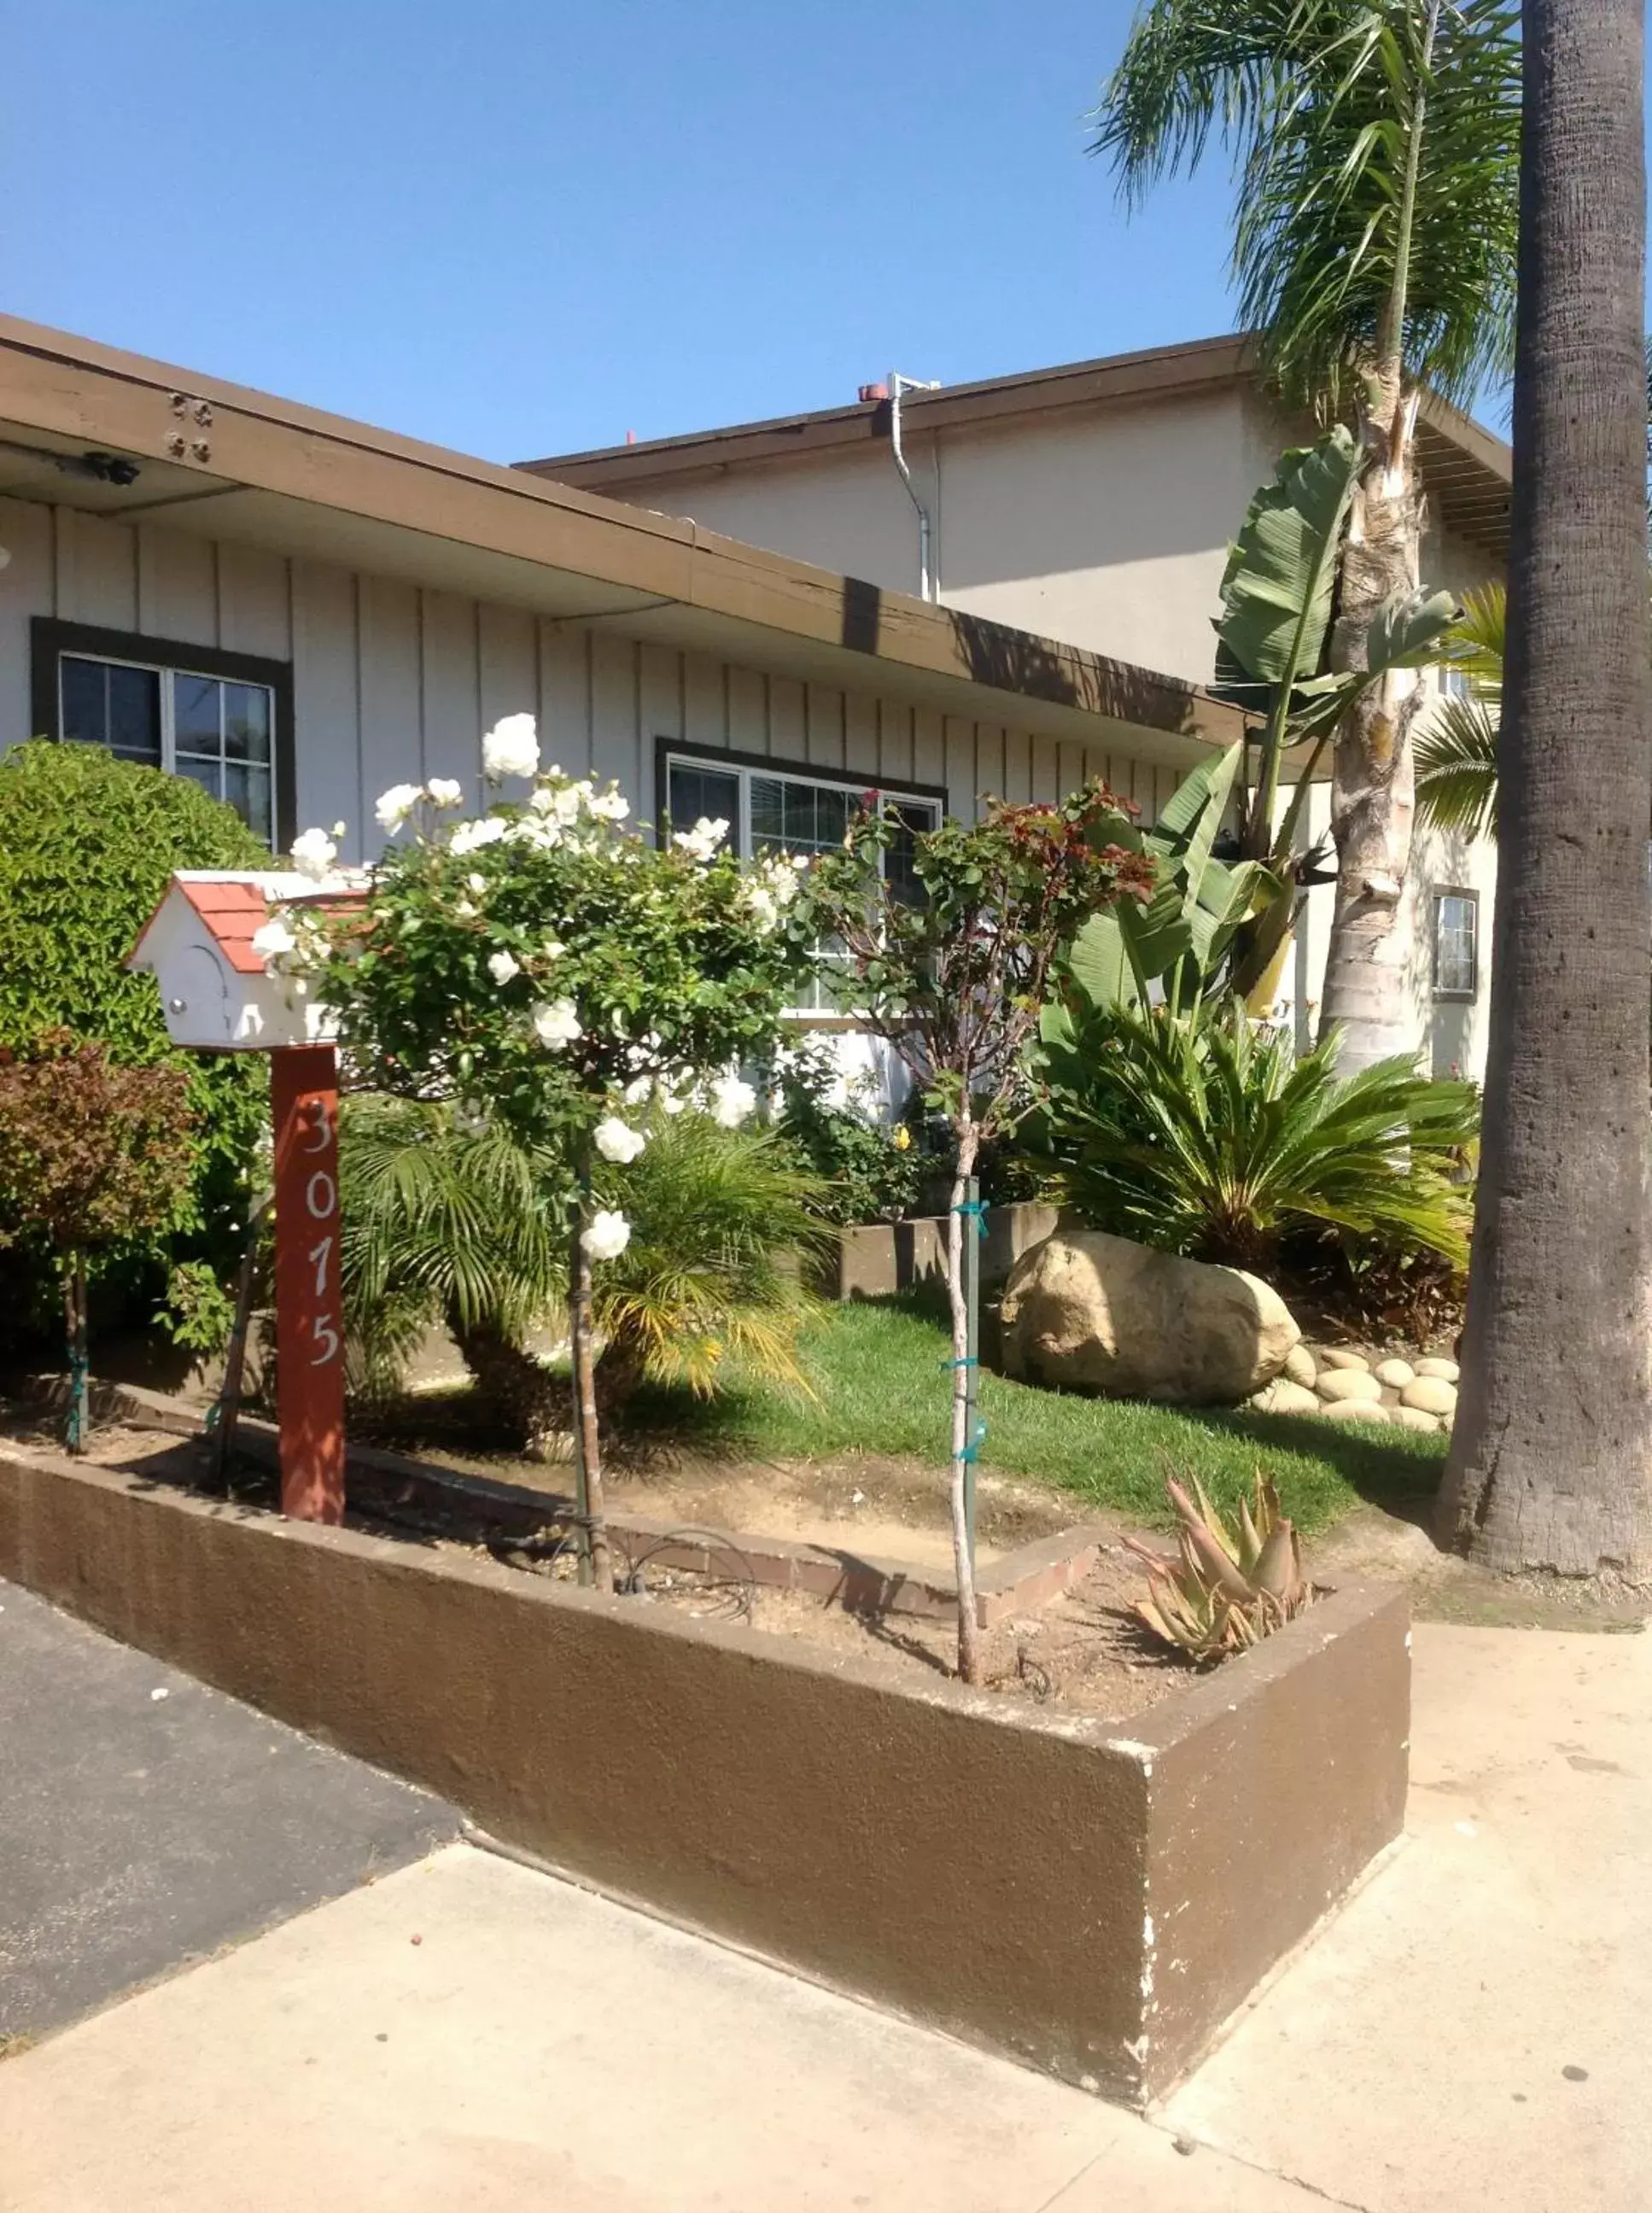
[1465, 468]
[221, 461]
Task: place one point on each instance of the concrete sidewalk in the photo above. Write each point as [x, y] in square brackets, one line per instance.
[538, 2048]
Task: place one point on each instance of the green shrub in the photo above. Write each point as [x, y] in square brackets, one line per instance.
[461, 1225]
[868, 1171]
[1201, 1133]
[87, 844]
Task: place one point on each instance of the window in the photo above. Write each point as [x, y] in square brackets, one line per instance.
[1456, 944]
[223, 720]
[771, 807]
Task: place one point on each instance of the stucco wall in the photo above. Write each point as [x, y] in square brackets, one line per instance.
[395, 683]
[1106, 528]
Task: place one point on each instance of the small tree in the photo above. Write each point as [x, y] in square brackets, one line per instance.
[546, 967]
[956, 980]
[93, 1156]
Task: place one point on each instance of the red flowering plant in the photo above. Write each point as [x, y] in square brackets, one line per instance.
[949, 956]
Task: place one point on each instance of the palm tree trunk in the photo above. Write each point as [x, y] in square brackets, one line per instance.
[533, 1398]
[1367, 979]
[969, 1633]
[1549, 1466]
[1369, 990]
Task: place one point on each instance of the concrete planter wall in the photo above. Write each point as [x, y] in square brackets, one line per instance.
[878, 1257]
[1091, 1897]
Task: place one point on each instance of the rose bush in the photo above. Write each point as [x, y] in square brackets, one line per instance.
[546, 966]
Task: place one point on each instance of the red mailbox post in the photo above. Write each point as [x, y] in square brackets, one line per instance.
[309, 1318]
[219, 995]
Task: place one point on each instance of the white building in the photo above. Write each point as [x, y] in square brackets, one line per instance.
[1093, 503]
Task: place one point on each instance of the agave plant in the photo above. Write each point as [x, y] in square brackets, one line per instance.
[1226, 1588]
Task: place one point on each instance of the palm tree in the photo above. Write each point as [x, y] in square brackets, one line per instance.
[1457, 746]
[1549, 1460]
[1374, 146]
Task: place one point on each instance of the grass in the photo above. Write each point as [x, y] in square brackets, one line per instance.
[878, 1373]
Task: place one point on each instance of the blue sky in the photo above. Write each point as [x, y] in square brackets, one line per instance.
[519, 227]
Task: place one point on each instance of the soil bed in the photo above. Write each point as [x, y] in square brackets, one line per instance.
[1081, 1651]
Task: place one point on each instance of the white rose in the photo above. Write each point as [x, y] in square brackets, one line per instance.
[763, 907]
[566, 804]
[617, 1141]
[550, 950]
[467, 836]
[475, 885]
[732, 1100]
[607, 1234]
[610, 807]
[637, 1091]
[557, 1023]
[464, 909]
[313, 855]
[396, 805]
[272, 939]
[501, 967]
[703, 840]
[446, 791]
[511, 747]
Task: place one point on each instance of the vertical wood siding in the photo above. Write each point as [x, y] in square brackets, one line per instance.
[393, 684]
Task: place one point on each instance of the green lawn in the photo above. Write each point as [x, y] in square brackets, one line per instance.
[881, 1386]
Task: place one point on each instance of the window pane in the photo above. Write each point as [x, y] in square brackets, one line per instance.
[85, 690]
[135, 713]
[246, 722]
[768, 811]
[1456, 920]
[247, 790]
[713, 794]
[196, 706]
[909, 817]
[208, 774]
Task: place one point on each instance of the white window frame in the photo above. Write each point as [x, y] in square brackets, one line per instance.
[743, 767]
[1439, 893]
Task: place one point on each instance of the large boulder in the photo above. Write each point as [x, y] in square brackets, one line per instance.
[1088, 1312]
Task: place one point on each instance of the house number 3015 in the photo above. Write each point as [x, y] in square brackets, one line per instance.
[322, 1203]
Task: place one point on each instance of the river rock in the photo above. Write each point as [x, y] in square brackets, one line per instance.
[1300, 1366]
[1430, 1396]
[1284, 1397]
[1413, 1417]
[1354, 1410]
[1445, 1370]
[1338, 1385]
[1394, 1375]
[1089, 1312]
[1340, 1355]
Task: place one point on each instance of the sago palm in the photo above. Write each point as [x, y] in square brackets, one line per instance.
[1202, 1133]
[451, 1226]
[1457, 745]
[1374, 148]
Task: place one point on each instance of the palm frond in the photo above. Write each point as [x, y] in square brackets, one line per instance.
[1456, 748]
[1456, 755]
[1314, 102]
[1202, 1133]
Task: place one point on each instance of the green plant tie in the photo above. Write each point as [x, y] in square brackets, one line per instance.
[975, 1209]
[971, 1451]
[964, 1360]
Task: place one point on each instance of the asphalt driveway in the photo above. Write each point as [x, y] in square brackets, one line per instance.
[146, 1821]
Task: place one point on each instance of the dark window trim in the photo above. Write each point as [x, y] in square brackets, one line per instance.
[49, 639]
[667, 750]
[1438, 891]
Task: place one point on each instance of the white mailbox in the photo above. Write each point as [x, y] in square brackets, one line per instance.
[217, 992]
